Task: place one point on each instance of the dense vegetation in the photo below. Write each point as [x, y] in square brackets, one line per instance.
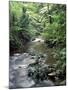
[30, 20]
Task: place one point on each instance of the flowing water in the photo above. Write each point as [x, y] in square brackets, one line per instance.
[18, 65]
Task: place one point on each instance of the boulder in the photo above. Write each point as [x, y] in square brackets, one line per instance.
[63, 82]
[53, 74]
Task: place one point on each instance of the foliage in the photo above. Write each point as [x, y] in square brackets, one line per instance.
[55, 32]
[60, 56]
[30, 20]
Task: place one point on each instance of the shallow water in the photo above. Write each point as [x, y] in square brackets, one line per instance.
[41, 47]
[18, 65]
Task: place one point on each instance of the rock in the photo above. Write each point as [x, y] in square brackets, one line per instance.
[25, 84]
[33, 39]
[44, 67]
[51, 70]
[56, 78]
[11, 85]
[16, 54]
[13, 58]
[11, 76]
[43, 55]
[45, 83]
[22, 66]
[38, 40]
[19, 67]
[59, 72]
[32, 53]
[22, 56]
[63, 82]
[33, 57]
[52, 74]
[54, 65]
[48, 83]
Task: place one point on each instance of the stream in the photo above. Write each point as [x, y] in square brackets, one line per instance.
[19, 62]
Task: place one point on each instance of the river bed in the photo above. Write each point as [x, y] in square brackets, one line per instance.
[19, 62]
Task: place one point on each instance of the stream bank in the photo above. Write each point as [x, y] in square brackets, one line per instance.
[33, 68]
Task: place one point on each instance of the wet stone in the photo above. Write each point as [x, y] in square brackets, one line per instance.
[19, 67]
[45, 83]
[19, 64]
